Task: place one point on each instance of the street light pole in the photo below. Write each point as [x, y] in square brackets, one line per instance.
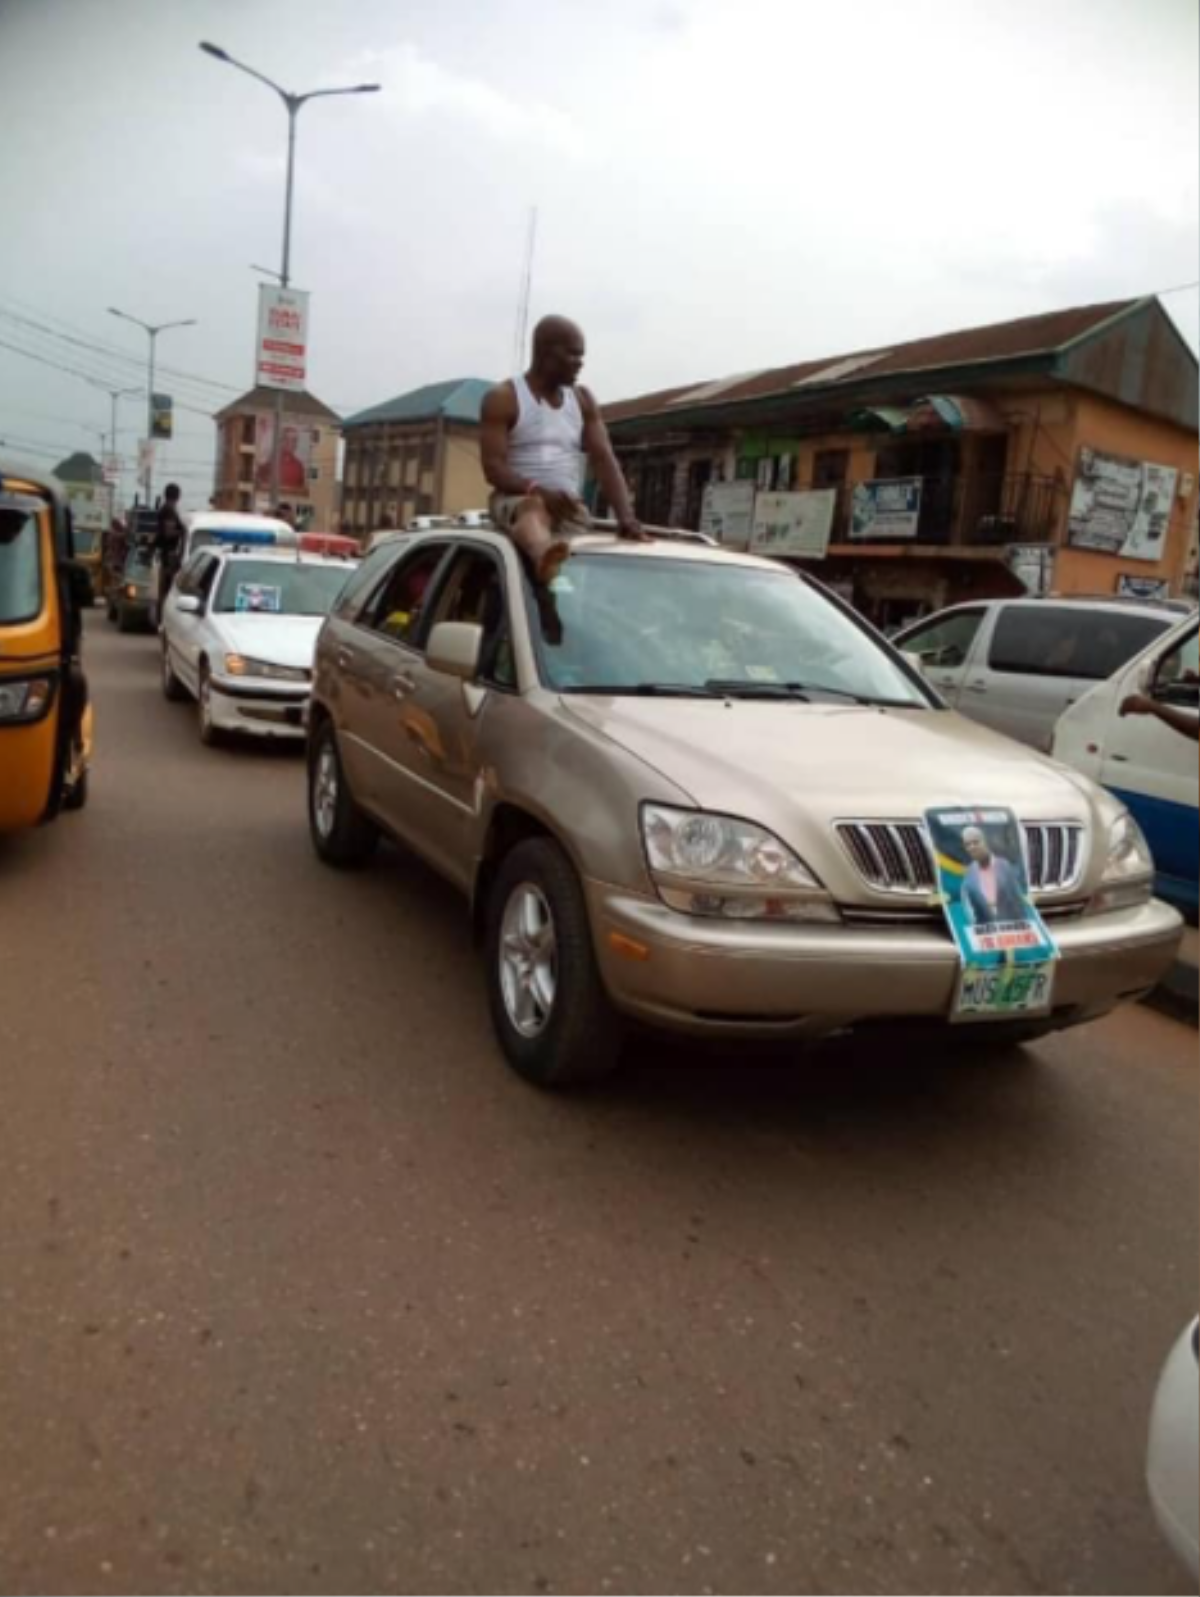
[292, 104]
[153, 329]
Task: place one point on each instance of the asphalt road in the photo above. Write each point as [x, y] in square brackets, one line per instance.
[300, 1290]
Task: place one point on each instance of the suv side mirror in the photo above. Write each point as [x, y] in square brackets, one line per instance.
[187, 604]
[454, 649]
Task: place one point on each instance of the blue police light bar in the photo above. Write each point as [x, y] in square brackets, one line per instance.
[247, 537]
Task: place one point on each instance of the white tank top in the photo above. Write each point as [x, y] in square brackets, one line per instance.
[546, 445]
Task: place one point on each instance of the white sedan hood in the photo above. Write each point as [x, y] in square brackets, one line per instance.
[279, 640]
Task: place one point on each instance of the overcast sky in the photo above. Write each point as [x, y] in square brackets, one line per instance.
[720, 186]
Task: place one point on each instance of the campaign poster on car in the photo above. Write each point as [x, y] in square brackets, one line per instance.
[1007, 955]
[258, 598]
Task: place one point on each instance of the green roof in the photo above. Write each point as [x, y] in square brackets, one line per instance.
[461, 399]
[77, 468]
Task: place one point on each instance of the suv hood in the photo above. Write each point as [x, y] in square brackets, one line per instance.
[798, 768]
[280, 640]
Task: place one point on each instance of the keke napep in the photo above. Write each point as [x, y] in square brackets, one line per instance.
[45, 716]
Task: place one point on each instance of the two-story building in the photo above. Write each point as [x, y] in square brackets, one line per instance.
[1057, 452]
[308, 475]
[415, 455]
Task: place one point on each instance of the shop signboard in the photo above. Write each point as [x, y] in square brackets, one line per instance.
[1131, 587]
[1121, 506]
[727, 513]
[797, 525]
[886, 507]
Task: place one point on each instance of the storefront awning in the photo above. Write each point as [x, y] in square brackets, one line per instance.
[892, 417]
[954, 413]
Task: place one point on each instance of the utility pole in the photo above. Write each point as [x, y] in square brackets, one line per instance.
[292, 104]
[153, 329]
[522, 328]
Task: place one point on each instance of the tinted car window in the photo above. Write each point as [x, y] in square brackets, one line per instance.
[400, 608]
[947, 642]
[474, 592]
[1178, 677]
[1065, 641]
[364, 577]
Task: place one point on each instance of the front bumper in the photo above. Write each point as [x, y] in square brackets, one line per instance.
[731, 978]
[260, 709]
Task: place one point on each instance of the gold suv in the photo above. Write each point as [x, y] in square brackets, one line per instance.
[689, 787]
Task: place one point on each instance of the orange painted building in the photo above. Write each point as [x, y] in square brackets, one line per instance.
[1055, 453]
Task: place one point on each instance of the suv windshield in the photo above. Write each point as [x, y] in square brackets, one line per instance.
[20, 568]
[279, 587]
[615, 623]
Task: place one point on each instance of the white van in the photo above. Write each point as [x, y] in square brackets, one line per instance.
[1016, 664]
[1151, 767]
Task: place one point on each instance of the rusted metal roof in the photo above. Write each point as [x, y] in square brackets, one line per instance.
[1029, 336]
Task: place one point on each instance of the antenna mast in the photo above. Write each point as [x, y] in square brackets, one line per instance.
[522, 328]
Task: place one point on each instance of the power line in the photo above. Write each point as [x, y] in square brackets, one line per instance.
[89, 376]
[76, 335]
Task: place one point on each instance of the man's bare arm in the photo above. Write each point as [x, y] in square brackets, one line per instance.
[1182, 721]
[498, 419]
[598, 447]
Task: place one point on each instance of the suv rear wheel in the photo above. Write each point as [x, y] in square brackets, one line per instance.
[553, 1017]
[341, 834]
[172, 687]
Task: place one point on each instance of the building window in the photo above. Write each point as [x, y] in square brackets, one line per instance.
[830, 468]
[248, 430]
[428, 454]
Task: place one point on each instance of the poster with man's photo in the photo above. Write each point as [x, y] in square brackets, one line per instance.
[1121, 507]
[1007, 955]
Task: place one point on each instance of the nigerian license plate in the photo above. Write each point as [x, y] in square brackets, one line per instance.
[988, 993]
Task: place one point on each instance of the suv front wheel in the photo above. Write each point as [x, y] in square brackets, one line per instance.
[341, 834]
[553, 1017]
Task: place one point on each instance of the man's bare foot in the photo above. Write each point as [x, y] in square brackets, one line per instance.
[553, 561]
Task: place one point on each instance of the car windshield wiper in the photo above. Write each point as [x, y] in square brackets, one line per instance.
[738, 689]
[647, 690]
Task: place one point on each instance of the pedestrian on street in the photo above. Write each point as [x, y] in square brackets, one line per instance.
[169, 536]
[537, 430]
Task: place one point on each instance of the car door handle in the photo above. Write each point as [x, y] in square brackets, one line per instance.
[403, 686]
[977, 687]
[344, 658]
[1119, 759]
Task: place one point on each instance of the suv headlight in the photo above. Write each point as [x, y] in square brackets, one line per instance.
[242, 665]
[717, 866]
[1129, 870]
[25, 701]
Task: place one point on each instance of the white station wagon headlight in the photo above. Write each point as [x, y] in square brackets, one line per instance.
[242, 665]
[1129, 871]
[717, 866]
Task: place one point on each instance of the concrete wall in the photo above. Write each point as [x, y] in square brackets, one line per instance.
[1118, 430]
[463, 486]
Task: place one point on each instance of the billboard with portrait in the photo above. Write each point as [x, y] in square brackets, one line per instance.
[295, 460]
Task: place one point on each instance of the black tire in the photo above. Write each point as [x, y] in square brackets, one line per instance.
[211, 736]
[341, 834]
[111, 611]
[76, 796]
[578, 1035]
[125, 622]
[173, 688]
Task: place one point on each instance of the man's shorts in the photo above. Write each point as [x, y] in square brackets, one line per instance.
[504, 509]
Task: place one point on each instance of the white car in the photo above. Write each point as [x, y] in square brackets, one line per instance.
[1172, 1469]
[239, 632]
